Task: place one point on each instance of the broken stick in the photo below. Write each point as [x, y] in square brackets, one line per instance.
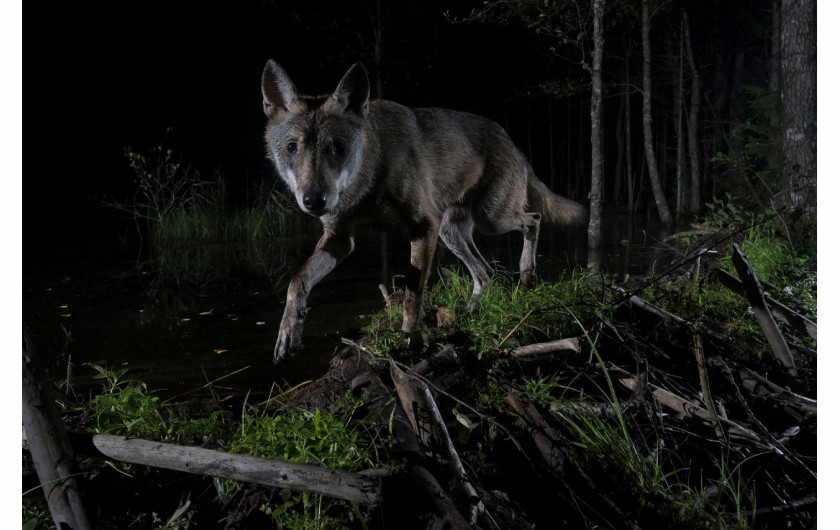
[755, 295]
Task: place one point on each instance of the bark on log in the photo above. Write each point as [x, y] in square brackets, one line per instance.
[52, 455]
[542, 348]
[782, 312]
[755, 295]
[359, 487]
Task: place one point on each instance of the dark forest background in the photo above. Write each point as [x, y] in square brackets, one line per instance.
[118, 74]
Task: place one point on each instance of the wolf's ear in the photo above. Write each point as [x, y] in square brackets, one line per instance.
[353, 92]
[278, 90]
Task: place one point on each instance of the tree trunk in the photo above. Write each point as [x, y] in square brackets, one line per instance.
[678, 128]
[799, 101]
[628, 143]
[615, 197]
[694, 194]
[647, 123]
[597, 191]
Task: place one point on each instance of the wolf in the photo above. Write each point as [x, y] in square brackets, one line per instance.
[441, 174]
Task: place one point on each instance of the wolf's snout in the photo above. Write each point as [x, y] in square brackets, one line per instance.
[314, 200]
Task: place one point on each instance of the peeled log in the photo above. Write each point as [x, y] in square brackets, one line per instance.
[355, 487]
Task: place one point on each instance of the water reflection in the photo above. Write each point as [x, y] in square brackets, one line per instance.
[191, 313]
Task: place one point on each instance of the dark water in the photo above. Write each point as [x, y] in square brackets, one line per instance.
[197, 313]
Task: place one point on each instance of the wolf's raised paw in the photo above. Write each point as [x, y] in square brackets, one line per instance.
[288, 342]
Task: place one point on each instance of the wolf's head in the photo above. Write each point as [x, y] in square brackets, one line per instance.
[315, 142]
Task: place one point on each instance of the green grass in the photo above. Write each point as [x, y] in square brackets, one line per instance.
[338, 438]
[172, 203]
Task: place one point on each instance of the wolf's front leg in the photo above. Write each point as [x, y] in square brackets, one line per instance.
[422, 254]
[331, 249]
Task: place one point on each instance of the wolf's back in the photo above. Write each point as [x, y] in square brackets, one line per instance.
[555, 210]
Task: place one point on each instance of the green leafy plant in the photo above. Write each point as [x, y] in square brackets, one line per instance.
[126, 407]
[334, 439]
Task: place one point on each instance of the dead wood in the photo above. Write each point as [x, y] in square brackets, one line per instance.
[359, 487]
[359, 375]
[445, 357]
[782, 312]
[49, 445]
[517, 326]
[585, 493]
[422, 411]
[686, 407]
[637, 302]
[763, 388]
[763, 428]
[704, 385]
[540, 432]
[543, 348]
[755, 295]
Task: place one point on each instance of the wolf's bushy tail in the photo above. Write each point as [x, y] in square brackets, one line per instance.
[555, 210]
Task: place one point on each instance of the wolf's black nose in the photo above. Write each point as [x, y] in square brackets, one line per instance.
[315, 201]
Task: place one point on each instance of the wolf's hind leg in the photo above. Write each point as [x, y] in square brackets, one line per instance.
[528, 260]
[456, 232]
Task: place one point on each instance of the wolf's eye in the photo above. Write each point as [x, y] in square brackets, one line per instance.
[338, 148]
[292, 147]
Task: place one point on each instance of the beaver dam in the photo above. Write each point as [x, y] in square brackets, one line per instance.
[685, 399]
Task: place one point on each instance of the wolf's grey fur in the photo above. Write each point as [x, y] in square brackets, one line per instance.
[440, 173]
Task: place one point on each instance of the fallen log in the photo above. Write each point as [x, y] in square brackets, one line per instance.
[755, 296]
[52, 454]
[782, 312]
[361, 487]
